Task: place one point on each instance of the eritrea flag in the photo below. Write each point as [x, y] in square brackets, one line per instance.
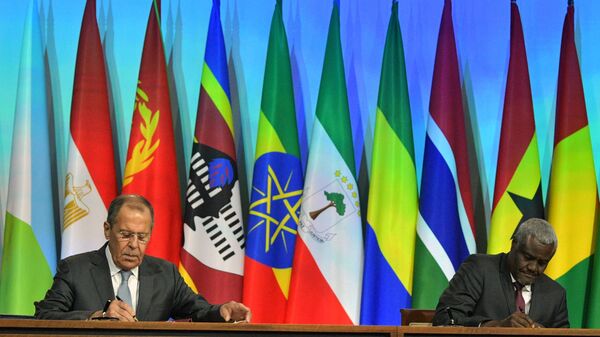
[518, 189]
[276, 187]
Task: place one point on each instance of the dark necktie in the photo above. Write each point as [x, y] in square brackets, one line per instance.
[123, 291]
[519, 300]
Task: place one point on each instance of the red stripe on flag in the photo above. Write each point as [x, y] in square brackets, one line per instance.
[318, 303]
[212, 130]
[264, 296]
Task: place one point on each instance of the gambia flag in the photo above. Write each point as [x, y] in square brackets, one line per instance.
[90, 183]
[445, 227]
[276, 187]
[572, 197]
[151, 168]
[213, 254]
[393, 206]
[518, 189]
[326, 280]
[29, 258]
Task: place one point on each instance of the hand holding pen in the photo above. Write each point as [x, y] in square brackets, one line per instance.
[115, 310]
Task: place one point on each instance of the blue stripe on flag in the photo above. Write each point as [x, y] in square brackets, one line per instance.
[439, 204]
[383, 292]
[215, 55]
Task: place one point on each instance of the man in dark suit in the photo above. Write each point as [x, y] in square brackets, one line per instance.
[118, 281]
[509, 290]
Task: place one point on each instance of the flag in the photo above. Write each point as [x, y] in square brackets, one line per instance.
[276, 187]
[572, 197]
[29, 258]
[90, 183]
[213, 254]
[518, 189]
[445, 226]
[393, 206]
[151, 168]
[326, 279]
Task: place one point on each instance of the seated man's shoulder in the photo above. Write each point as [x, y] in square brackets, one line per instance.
[549, 284]
[483, 259]
[157, 264]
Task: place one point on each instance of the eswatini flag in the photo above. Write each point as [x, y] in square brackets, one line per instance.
[445, 227]
[393, 206]
[518, 190]
[151, 168]
[326, 280]
[276, 187]
[573, 197]
[90, 183]
[212, 257]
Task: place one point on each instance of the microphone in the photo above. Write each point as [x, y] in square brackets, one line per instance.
[448, 310]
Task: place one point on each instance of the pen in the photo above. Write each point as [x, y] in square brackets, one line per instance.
[106, 305]
[135, 318]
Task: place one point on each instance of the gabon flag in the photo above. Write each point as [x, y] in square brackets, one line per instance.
[276, 187]
[393, 206]
[518, 189]
[212, 258]
[151, 168]
[326, 282]
[573, 196]
[91, 181]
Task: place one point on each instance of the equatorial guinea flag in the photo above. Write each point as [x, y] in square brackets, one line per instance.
[151, 168]
[518, 189]
[393, 206]
[445, 227]
[29, 258]
[212, 258]
[90, 182]
[327, 272]
[573, 196]
[276, 187]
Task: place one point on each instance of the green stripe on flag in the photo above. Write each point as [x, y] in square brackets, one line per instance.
[426, 296]
[25, 273]
[572, 282]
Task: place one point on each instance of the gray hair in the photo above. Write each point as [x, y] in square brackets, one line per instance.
[134, 201]
[539, 229]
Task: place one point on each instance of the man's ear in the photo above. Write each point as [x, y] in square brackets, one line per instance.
[106, 230]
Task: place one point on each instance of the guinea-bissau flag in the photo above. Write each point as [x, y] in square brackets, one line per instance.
[445, 226]
[276, 187]
[393, 206]
[212, 258]
[29, 256]
[151, 168]
[518, 189]
[91, 180]
[326, 282]
[573, 196]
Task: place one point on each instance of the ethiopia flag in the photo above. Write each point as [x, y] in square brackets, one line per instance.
[518, 189]
[573, 197]
[445, 227]
[29, 259]
[326, 280]
[151, 168]
[393, 206]
[276, 187]
[213, 254]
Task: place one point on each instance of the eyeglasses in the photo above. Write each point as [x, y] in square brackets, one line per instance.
[143, 238]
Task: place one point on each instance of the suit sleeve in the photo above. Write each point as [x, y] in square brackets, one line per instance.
[461, 296]
[561, 317]
[188, 304]
[60, 298]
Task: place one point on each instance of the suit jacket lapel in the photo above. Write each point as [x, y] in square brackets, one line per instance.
[101, 275]
[507, 286]
[145, 291]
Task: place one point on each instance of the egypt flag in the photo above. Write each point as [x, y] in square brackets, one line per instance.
[326, 280]
[90, 182]
[393, 208]
[572, 197]
[29, 258]
[518, 189]
[276, 187]
[213, 254]
[151, 168]
[445, 227]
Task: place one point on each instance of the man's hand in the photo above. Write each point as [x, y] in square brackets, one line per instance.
[236, 312]
[117, 309]
[515, 320]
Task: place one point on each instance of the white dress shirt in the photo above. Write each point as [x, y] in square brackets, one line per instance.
[115, 277]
